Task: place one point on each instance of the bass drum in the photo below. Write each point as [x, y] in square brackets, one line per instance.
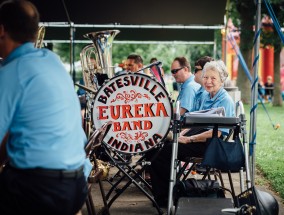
[140, 110]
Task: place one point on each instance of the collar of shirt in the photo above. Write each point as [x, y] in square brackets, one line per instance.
[19, 51]
[190, 79]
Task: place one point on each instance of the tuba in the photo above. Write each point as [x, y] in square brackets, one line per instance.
[40, 37]
[97, 57]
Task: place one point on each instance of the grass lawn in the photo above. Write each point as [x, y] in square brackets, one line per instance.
[269, 147]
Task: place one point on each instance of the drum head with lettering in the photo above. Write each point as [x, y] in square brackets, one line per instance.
[140, 110]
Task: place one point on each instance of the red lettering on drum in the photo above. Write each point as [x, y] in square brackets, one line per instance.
[102, 111]
[132, 125]
[134, 111]
[161, 107]
[112, 111]
[137, 109]
[116, 126]
[102, 99]
[147, 125]
[126, 111]
[126, 126]
[148, 111]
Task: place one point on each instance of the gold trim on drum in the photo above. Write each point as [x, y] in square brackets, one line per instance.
[140, 109]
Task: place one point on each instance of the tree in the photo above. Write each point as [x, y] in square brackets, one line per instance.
[243, 12]
[164, 52]
[278, 8]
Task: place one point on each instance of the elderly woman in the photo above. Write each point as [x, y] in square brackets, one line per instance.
[192, 144]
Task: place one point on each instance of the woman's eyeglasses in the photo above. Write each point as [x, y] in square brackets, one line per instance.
[174, 71]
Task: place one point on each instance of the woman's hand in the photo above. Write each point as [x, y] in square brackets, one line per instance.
[184, 131]
[186, 140]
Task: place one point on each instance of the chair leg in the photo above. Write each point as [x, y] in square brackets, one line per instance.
[106, 208]
[221, 178]
[90, 204]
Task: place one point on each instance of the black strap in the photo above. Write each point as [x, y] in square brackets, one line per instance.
[215, 131]
[236, 132]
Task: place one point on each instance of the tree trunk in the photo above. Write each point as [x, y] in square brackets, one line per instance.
[277, 97]
[243, 82]
[246, 11]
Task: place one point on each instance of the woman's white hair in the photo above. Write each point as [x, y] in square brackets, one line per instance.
[217, 66]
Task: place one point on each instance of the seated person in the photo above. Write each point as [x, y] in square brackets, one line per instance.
[269, 88]
[192, 144]
[201, 92]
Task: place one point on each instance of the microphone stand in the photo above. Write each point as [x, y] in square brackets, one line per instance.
[176, 130]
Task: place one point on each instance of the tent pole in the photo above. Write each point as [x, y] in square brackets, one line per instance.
[72, 70]
[254, 91]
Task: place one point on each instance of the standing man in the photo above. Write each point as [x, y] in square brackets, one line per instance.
[41, 135]
[181, 71]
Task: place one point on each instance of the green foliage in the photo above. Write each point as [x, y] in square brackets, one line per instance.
[163, 52]
[269, 147]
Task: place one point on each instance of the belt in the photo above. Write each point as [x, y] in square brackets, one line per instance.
[77, 173]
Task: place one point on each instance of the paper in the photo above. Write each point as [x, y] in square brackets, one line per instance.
[213, 112]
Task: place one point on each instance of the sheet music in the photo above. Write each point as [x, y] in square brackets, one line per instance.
[213, 112]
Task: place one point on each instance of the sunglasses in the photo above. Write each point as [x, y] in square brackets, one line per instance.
[196, 70]
[174, 71]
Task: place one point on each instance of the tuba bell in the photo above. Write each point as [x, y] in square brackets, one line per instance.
[101, 52]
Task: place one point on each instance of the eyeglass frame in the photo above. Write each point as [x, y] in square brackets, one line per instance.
[175, 71]
[196, 70]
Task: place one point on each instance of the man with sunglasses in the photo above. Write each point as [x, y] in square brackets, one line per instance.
[181, 71]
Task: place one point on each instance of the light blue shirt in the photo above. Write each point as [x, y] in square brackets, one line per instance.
[40, 110]
[199, 97]
[221, 99]
[187, 93]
